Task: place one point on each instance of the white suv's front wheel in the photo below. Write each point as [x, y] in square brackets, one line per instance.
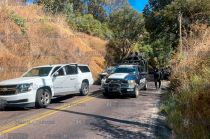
[43, 98]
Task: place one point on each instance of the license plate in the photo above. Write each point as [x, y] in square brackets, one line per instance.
[115, 89]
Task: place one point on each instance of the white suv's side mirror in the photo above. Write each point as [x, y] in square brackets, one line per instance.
[55, 74]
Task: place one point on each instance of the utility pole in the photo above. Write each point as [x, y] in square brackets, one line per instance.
[180, 32]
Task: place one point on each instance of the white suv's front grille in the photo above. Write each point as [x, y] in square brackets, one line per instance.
[8, 90]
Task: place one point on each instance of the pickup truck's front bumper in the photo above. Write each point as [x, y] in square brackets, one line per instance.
[121, 89]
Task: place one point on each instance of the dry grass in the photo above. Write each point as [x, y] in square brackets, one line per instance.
[48, 40]
[188, 107]
[196, 50]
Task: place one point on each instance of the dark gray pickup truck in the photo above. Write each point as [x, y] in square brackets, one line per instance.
[126, 80]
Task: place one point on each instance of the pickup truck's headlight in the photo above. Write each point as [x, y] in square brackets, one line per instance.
[103, 81]
[131, 82]
[23, 88]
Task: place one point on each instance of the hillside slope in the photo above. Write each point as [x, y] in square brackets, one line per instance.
[187, 107]
[29, 37]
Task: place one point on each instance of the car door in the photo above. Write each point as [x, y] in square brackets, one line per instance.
[72, 78]
[142, 76]
[59, 79]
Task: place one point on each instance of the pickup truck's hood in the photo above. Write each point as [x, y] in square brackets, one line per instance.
[104, 73]
[118, 76]
[20, 80]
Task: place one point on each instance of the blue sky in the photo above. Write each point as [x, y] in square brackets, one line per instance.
[136, 4]
[30, 1]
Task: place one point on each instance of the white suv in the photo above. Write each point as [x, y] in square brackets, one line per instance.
[37, 86]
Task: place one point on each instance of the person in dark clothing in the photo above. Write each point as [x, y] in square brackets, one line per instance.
[157, 77]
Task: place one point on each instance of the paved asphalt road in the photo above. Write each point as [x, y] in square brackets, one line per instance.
[90, 117]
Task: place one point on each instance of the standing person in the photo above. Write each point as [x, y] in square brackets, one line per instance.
[157, 77]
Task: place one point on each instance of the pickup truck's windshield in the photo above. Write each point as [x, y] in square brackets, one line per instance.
[110, 70]
[125, 70]
[42, 71]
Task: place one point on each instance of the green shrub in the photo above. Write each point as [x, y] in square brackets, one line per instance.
[87, 23]
[187, 106]
[19, 21]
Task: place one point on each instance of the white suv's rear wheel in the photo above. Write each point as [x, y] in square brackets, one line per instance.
[43, 98]
[84, 89]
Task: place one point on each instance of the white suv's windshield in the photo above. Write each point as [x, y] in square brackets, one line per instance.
[42, 71]
[124, 70]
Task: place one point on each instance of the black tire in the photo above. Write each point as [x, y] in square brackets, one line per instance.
[106, 94]
[43, 98]
[84, 89]
[135, 93]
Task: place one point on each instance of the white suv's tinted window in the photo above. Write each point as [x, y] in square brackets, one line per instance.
[71, 70]
[84, 69]
[60, 72]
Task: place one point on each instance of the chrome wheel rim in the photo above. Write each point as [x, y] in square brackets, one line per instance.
[86, 89]
[45, 98]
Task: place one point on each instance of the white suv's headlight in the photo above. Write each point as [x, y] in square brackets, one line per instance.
[23, 88]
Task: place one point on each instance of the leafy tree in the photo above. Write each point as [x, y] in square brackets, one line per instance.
[97, 9]
[127, 25]
[161, 20]
[80, 17]
[87, 23]
[115, 5]
[161, 17]
[78, 6]
[53, 6]
[157, 5]
[56, 6]
[116, 50]
[144, 46]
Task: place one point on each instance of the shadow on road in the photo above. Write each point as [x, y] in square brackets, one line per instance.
[104, 125]
[113, 97]
[123, 97]
[14, 109]
[60, 99]
[57, 100]
[108, 126]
